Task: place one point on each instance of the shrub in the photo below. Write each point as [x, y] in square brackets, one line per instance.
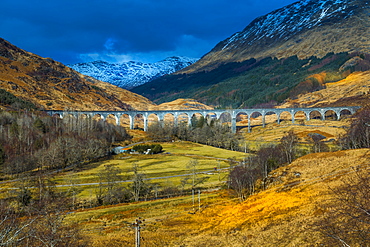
[154, 148]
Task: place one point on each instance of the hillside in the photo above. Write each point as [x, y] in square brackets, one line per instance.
[183, 104]
[289, 213]
[275, 57]
[351, 91]
[303, 29]
[255, 82]
[30, 81]
[130, 74]
[51, 85]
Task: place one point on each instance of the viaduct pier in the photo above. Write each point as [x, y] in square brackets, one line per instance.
[232, 114]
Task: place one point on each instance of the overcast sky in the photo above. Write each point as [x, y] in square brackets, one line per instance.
[72, 31]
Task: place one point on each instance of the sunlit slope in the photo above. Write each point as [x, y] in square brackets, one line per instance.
[303, 29]
[351, 91]
[51, 85]
[285, 214]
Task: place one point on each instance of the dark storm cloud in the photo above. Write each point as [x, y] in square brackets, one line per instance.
[118, 30]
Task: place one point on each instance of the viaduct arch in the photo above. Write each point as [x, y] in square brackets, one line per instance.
[339, 111]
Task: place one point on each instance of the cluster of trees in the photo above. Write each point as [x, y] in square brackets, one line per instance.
[34, 213]
[210, 132]
[242, 178]
[109, 191]
[33, 140]
[12, 101]
[358, 135]
[150, 148]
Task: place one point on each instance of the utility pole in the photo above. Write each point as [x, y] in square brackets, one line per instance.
[192, 196]
[137, 225]
[219, 169]
[199, 199]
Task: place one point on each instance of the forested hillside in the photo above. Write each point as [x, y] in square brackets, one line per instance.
[33, 140]
[254, 82]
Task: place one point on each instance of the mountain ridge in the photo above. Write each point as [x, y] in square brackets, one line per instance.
[275, 57]
[49, 84]
[28, 81]
[286, 32]
[130, 74]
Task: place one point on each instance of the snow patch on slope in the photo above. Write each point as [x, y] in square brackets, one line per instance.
[131, 74]
[285, 22]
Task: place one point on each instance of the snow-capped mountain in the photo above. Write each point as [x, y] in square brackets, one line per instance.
[286, 22]
[272, 58]
[305, 28]
[131, 74]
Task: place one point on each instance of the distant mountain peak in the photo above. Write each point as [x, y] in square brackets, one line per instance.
[132, 73]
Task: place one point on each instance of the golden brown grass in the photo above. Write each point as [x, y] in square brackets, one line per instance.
[183, 104]
[356, 85]
[273, 132]
[282, 215]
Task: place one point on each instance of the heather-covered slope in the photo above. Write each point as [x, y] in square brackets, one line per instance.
[351, 91]
[255, 82]
[51, 85]
[290, 212]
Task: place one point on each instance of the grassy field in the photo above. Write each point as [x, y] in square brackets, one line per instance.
[265, 219]
[291, 204]
[172, 163]
[273, 132]
[177, 221]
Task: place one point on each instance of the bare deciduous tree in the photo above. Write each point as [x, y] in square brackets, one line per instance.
[288, 144]
[347, 222]
[108, 186]
[358, 135]
[12, 231]
[242, 180]
[50, 230]
[317, 144]
[139, 187]
[193, 167]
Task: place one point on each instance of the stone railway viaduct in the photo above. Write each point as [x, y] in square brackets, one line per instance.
[232, 113]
